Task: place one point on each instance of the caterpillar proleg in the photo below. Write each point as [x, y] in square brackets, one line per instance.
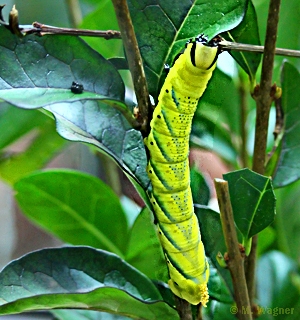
[168, 170]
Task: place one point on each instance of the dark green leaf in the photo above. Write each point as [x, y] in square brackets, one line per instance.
[76, 207]
[220, 103]
[99, 124]
[216, 121]
[253, 201]
[213, 240]
[144, 249]
[246, 32]
[38, 71]
[224, 311]
[165, 291]
[288, 169]
[41, 150]
[200, 188]
[162, 29]
[216, 287]
[119, 63]
[51, 64]
[81, 278]
[274, 287]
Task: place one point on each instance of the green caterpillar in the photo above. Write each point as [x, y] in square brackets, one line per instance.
[168, 169]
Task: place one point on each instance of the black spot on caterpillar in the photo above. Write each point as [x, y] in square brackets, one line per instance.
[168, 169]
[76, 87]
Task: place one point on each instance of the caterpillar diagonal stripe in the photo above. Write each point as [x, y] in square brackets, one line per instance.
[168, 169]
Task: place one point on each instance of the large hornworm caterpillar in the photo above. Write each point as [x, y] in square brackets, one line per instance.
[168, 169]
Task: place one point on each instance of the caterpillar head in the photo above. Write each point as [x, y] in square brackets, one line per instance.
[201, 53]
[188, 289]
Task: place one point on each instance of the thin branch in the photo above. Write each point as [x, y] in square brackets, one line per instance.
[134, 60]
[235, 261]
[74, 12]
[183, 308]
[235, 46]
[264, 96]
[42, 30]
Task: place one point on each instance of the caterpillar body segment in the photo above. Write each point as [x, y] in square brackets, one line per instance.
[168, 170]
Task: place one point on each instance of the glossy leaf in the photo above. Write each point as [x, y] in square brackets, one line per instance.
[216, 287]
[215, 124]
[78, 208]
[220, 103]
[253, 201]
[213, 240]
[40, 151]
[166, 292]
[144, 249]
[40, 70]
[49, 65]
[288, 168]
[163, 28]
[246, 32]
[81, 278]
[99, 124]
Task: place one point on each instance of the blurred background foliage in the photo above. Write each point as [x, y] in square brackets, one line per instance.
[216, 142]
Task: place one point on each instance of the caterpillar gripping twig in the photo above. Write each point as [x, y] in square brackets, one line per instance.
[168, 169]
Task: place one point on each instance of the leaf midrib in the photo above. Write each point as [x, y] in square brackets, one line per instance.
[76, 216]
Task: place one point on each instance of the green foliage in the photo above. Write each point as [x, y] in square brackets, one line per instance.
[70, 205]
[79, 277]
[144, 250]
[287, 168]
[214, 242]
[38, 72]
[276, 288]
[163, 30]
[200, 188]
[246, 32]
[253, 201]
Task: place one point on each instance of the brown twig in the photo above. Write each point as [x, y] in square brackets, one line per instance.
[134, 60]
[235, 261]
[263, 98]
[183, 308]
[235, 46]
[42, 30]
